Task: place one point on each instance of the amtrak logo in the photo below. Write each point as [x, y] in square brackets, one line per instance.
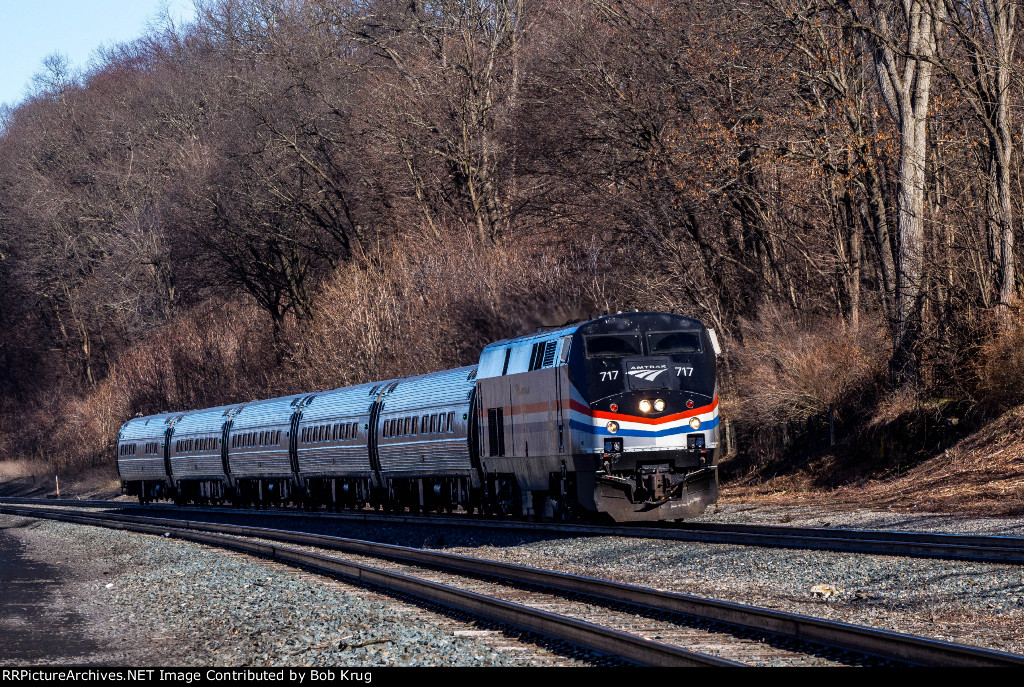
[648, 375]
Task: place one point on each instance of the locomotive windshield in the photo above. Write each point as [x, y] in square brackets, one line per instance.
[667, 343]
[616, 345]
[658, 343]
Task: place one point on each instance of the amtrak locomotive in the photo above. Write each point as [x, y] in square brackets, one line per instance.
[616, 417]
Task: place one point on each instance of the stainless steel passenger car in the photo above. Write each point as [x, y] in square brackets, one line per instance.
[260, 463]
[331, 449]
[197, 463]
[142, 456]
[422, 441]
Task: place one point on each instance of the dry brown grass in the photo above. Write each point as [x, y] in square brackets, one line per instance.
[431, 303]
[215, 354]
[894, 405]
[203, 358]
[15, 469]
[1001, 365]
[789, 372]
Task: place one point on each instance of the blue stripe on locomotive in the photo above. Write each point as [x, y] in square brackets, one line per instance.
[603, 431]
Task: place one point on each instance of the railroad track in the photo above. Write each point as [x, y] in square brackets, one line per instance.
[636, 624]
[986, 548]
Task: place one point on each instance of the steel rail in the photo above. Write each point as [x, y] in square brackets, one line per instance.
[588, 635]
[985, 548]
[881, 643]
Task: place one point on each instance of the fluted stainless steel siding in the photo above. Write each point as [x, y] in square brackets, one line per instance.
[196, 464]
[199, 464]
[274, 415]
[342, 457]
[427, 453]
[140, 431]
[136, 469]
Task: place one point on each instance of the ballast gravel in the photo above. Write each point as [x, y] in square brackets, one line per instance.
[860, 518]
[979, 604]
[148, 600]
[208, 621]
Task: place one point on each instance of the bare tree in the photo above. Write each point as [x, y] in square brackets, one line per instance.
[986, 40]
[837, 87]
[450, 82]
[903, 41]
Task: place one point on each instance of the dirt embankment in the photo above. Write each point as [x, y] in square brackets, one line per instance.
[27, 478]
[982, 474]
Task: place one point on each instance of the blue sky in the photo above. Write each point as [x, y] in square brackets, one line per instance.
[32, 29]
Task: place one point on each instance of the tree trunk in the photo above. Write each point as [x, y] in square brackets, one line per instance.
[903, 44]
[986, 30]
[910, 242]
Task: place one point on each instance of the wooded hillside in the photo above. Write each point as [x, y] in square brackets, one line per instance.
[298, 194]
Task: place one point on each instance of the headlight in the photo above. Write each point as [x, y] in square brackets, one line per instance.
[659, 405]
[612, 427]
[645, 406]
[695, 423]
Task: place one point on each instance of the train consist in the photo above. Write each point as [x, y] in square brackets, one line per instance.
[614, 417]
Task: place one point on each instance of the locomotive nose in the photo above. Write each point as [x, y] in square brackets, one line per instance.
[649, 372]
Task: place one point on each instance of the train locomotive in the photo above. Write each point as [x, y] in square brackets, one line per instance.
[612, 418]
